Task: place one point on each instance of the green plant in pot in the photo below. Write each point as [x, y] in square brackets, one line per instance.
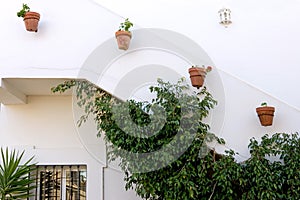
[31, 19]
[123, 35]
[265, 114]
[198, 74]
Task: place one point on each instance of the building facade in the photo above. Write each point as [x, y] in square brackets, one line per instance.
[254, 60]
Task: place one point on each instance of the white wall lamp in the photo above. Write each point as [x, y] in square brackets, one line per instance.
[225, 17]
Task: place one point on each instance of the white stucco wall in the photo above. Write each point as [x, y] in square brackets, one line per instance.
[260, 46]
[241, 121]
[45, 129]
[263, 38]
[254, 59]
[62, 43]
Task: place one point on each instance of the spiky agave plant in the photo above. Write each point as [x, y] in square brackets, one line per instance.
[16, 181]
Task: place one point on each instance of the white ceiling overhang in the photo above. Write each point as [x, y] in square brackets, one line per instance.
[16, 90]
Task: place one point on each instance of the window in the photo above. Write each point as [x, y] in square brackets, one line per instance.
[60, 182]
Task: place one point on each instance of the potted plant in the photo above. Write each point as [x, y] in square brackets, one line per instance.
[123, 35]
[265, 114]
[198, 74]
[31, 19]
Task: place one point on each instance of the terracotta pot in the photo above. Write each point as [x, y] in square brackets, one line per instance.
[197, 75]
[31, 20]
[265, 114]
[123, 39]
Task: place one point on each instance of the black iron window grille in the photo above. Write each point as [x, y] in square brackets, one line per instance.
[61, 182]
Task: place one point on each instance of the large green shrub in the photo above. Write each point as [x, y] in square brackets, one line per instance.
[271, 172]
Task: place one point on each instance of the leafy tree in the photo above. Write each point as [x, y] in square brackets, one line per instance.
[198, 172]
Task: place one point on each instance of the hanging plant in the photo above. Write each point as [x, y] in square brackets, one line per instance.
[265, 114]
[31, 19]
[198, 74]
[123, 35]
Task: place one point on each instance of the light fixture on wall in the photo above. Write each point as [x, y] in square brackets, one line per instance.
[225, 17]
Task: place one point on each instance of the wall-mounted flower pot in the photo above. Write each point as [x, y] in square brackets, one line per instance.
[123, 35]
[266, 115]
[31, 20]
[197, 75]
[123, 39]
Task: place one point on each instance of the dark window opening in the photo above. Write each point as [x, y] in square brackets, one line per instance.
[61, 182]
